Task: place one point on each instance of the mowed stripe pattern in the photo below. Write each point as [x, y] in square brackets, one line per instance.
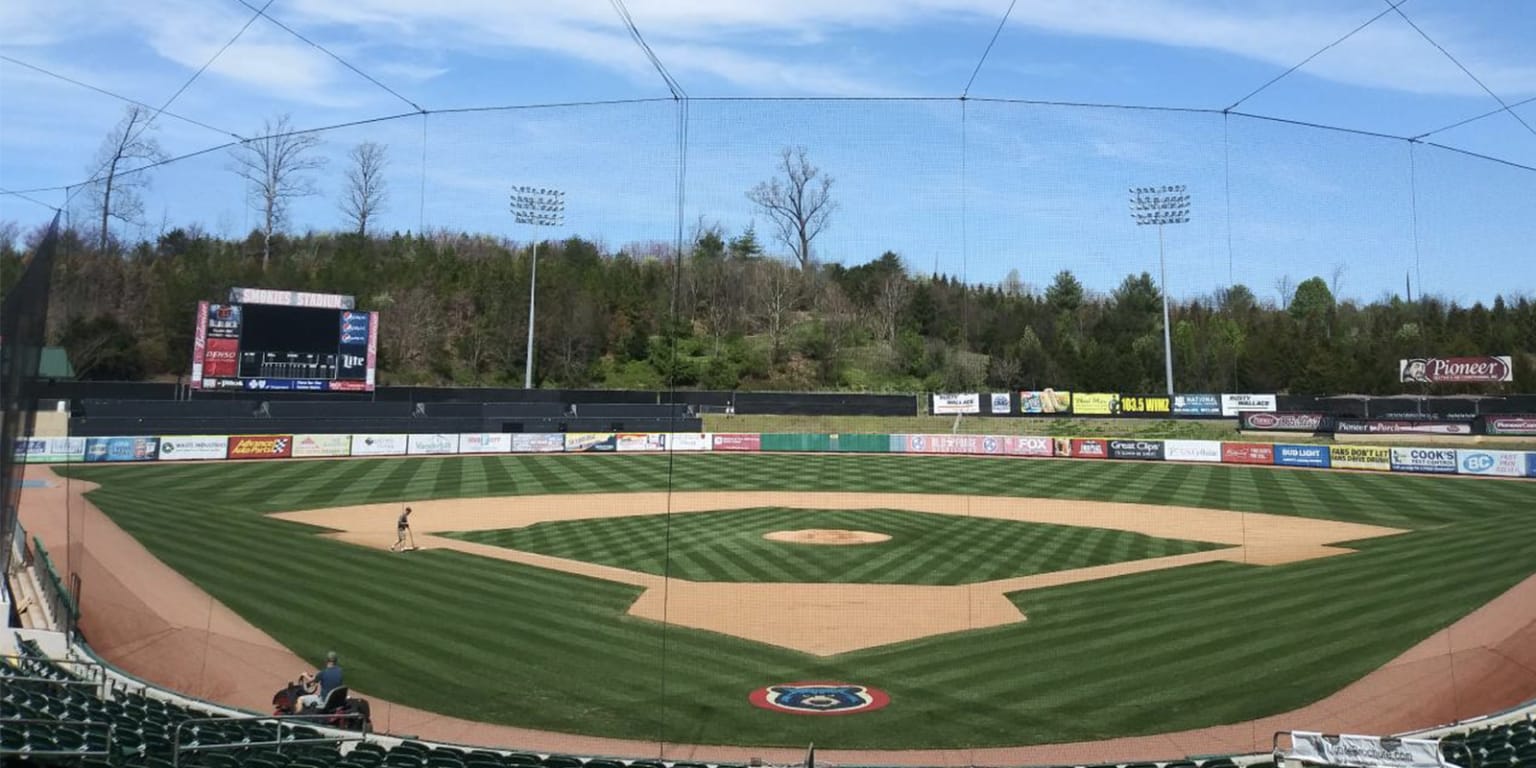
[924, 548]
[1146, 653]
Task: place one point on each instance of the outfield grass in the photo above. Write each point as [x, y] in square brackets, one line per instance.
[924, 548]
[1144, 653]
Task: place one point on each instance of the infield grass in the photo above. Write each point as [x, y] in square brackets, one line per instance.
[924, 548]
[1146, 653]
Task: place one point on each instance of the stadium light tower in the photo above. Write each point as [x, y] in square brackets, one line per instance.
[1168, 204]
[536, 207]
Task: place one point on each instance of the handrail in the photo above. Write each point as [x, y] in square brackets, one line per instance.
[55, 585]
[277, 720]
[107, 752]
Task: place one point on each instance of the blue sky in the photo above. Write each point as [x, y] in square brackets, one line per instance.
[973, 189]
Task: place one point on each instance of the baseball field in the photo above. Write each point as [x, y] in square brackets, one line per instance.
[996, 601]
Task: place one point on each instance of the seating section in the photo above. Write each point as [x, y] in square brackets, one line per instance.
[1509, 745]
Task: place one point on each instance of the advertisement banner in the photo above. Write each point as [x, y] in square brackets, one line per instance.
[1082, 448]
[690, 441]
[1193, 450]
[320, 446]
[640, 441]
[582, 442]
[1374, 457]
[1232, 405]
[1157, 405]
[485, 442]
[1197, 405]
[260, 446]
[1141, 450]
[1490, 369]
[199, 345]
[1429, 460]
[1500, 463]
[1260, 421]
[974, 445]
[193, 447]
[1530, 465]
[537, 442]
[1044, 401]
[1001, 404]
[50, 450]
[1247, 453]
[1366, 751]
[1095, 404]
[1381, 427]
[120, 448]
[732, 442]
[431, 444]
[1522, 425]
[950, 404]
[1302, 456]
[379, 445]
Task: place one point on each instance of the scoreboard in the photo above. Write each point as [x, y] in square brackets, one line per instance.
[270, 340]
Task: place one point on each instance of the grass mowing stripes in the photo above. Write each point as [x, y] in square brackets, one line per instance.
[1141, 653]
[925, 548]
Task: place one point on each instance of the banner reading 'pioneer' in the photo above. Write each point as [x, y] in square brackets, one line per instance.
[1490, 369]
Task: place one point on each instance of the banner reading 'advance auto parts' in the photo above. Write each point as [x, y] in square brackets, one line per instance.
[260, 446]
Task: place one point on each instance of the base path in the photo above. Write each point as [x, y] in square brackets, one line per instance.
[152, 622]
[806, 617]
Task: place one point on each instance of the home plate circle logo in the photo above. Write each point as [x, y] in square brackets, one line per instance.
[820, 698]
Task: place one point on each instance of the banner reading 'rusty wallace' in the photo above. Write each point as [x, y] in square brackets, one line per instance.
[1459, 370]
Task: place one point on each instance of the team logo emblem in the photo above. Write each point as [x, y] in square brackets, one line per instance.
[820, 698]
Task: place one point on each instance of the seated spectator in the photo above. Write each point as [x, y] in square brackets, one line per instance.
[320, 683]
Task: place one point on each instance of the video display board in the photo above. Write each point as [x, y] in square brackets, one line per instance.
[285, 347]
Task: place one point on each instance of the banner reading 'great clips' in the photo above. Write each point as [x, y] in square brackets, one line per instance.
[1490, 369]
[1143, 450]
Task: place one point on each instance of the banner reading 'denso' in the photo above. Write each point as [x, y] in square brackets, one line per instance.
[321, 446]
[1366, 751]
[1500, 463]
[951, 404]
[1373, 457]
[1232, 405]
[432, 444]
[193, 447]
[538, 442]
[485, 442]
[260, 446]
[1429, 460]
[379, 445]
[120, 449]
[1193, 450]
[1045, 401]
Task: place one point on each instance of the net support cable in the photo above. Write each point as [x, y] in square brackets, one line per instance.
[262, 13]
[1503, 105]
[1277, 78]
[95, 177]
[118, 96]
[1460, 123]
[966, 92]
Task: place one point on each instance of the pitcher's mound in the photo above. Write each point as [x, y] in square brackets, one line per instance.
[827, 536]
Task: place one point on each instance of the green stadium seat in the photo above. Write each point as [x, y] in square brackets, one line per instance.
[521, 759]
[561, 761]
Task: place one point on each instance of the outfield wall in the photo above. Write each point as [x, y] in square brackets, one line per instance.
[1370, 458]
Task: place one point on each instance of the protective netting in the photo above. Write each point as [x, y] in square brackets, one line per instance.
[996, 194]
[23, 325]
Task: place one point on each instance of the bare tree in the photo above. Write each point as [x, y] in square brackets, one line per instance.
[1286, 289]
[365, 190]
[889, 301]
[773, 292]
[276, 165]
[115, 193]
[799, 203]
